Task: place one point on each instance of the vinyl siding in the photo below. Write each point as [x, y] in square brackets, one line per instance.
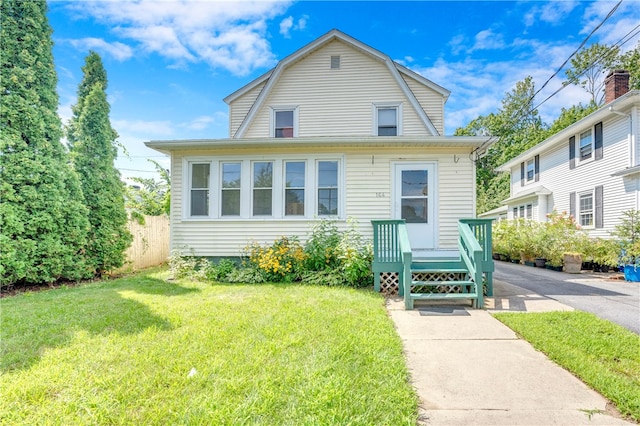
[619, 193]
[239, 108]
[334, 102]
[368, 186]
[432, 102]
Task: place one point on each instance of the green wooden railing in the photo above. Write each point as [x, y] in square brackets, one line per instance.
[481, 229]
[392, 253]
[471, 255]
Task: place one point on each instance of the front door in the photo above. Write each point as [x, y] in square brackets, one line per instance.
[415, 202]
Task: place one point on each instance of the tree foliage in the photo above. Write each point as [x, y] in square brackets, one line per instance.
[516, 127]
[630, 61]
[93, 153]
[151, 197]
[589, 68]
[43, 223]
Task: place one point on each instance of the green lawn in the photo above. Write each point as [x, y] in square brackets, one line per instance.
[141, 350]
[604, 355]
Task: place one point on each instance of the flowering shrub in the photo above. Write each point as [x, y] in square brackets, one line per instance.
[330, 257]
[281, 261]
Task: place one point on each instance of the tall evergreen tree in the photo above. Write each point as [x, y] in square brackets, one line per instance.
[43, 222]
[93, 152]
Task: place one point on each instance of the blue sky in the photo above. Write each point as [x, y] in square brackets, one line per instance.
[170, 63]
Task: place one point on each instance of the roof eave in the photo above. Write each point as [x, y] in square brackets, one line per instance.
[167, 146]
[605, 111]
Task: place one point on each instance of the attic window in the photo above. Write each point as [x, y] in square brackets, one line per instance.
[335, 62]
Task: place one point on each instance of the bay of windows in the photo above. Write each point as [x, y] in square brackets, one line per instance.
[241, 188]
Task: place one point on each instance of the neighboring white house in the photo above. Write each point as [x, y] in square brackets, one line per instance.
[336, 130]
[590, 170]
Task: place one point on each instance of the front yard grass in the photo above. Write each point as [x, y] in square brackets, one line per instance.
[141, 350]
[604, 355]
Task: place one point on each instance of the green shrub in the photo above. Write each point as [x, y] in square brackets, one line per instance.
[189, 267]
[282, 261]
[221, 270]
[245, 275]
[322, 246]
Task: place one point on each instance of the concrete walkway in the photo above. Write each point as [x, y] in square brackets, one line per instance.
[470, 369]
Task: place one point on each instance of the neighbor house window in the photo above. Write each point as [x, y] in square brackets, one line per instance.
[586, 145]
[529, 211]
[294, 177]
[199, 189]
[327, 188]
[262, 188]
[230, 197]
[531, 170]
[586, 209]
[387, 120]
[284, 122]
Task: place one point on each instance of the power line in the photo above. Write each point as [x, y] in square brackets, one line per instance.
[611, 12]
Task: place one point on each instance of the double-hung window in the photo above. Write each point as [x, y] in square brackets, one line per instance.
[231, 187]
[262, 188]
[199, 189]
[284, 122]
[327, 188]
[294, 177]
[387, 119]
[531, 170]
[586, 209]
[586, 145]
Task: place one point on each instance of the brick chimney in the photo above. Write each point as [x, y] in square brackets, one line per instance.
[615, 85]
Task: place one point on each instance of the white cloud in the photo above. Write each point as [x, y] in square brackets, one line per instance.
[488, 39]
[553, 12]
[227, 34]
[287, 24]
[119, 51]
[205, 121]
[160, 128]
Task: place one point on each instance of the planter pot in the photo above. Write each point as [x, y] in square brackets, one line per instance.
[528, 263]
[554, 268]
[495, 256]
[604, 268]
[572, 263]
[631, 273]
[540, 262]
[515, 261]
[587, 265]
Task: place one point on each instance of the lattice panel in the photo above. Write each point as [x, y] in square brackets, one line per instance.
[389, 282]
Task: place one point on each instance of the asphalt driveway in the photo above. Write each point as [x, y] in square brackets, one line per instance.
[615, 300]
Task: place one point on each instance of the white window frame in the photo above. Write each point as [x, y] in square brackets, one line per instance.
[272, 188]
[592, 146]
[580, 212]
[383, 105]
[339, 187]
[246, 188]
[281, 108]
[187, 178]
[304, 188]
[221, 189]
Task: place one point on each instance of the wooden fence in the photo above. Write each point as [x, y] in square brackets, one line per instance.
[150, 246]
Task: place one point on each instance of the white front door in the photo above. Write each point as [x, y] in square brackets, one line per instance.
[415, 202]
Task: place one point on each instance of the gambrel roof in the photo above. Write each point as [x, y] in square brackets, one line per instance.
[271, 78]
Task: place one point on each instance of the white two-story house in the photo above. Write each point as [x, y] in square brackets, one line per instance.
[590, 169]
[336, 130]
